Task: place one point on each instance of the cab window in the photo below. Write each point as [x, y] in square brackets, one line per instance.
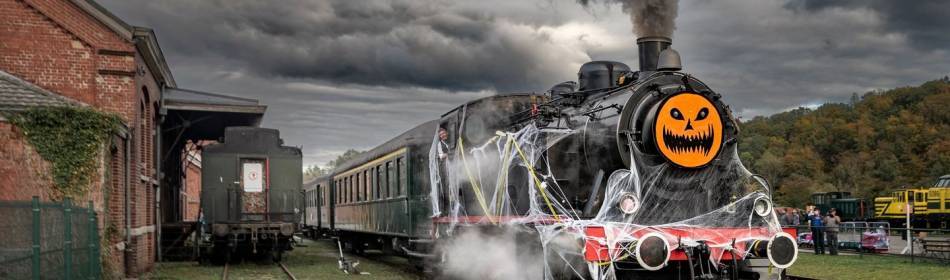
[450, 124]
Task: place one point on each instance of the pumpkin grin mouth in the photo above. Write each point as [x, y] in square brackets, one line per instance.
[681, 144]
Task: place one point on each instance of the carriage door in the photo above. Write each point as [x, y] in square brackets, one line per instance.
[254, 189]
[318, 205]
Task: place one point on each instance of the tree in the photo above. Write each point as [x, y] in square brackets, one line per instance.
[315, 171]
[885, 140]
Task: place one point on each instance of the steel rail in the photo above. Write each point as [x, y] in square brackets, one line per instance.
[287, 271]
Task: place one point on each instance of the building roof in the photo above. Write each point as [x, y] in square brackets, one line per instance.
[18, 95]
[198, 115]
[193, 100]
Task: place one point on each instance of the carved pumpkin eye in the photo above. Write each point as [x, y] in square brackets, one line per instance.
[675, 113]
[702, 114]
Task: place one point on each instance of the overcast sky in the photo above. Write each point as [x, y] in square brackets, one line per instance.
[351, 74]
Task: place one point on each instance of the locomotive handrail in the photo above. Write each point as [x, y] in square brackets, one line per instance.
[473, 182]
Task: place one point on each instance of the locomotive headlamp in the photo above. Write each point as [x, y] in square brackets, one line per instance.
[762, 206]
[628, 204]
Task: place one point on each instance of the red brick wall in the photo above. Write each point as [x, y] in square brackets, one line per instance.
[56, 45]
[192, 197]
[23, 173]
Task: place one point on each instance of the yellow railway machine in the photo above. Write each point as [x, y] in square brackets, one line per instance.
[930, 206]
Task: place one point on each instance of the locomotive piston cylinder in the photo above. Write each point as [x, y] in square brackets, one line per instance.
[781, 249]
[652, 251]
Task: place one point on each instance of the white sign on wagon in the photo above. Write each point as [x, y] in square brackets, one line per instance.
[253, 177]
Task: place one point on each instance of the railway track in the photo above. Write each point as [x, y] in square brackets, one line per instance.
[287, 271]
[224, 273]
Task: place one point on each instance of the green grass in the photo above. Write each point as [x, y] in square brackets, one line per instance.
[318, 260]
[866, 267]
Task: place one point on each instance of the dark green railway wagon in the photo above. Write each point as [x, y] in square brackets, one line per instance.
[848, 207]
[317, 211]
[251, 198]
[382, 198]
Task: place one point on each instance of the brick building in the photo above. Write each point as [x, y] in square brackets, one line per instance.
[191, 191]
[77, 53]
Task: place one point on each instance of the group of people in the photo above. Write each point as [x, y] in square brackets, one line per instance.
[824, 228]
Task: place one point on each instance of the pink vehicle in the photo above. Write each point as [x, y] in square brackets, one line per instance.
[875, 238]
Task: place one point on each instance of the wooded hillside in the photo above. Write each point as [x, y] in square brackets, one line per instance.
[881, 141]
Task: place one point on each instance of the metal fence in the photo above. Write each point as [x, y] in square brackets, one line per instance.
[880, 238]
[48, 240]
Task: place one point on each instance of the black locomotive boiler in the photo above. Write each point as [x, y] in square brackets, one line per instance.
[251, 195]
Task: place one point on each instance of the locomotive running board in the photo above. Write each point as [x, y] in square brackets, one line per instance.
[415, 254]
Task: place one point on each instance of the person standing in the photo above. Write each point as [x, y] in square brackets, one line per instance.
[831, 231]
[789, 220]
[797, 220]
[817, 231]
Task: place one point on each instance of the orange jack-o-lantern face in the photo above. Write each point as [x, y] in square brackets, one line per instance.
[688, 130]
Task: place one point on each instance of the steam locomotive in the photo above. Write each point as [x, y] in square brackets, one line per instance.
[622, 174]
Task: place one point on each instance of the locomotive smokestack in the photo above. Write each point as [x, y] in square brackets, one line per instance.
[650, 48]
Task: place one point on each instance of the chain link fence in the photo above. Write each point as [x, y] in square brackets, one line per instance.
[48, 240]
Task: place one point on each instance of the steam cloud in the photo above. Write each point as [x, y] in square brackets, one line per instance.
[649, 17]
[474, 255]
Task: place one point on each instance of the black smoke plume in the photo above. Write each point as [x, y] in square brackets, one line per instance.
[649, 17]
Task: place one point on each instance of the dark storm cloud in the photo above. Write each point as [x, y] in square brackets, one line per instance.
[925, 22]
[391, 43]
[352, 74]
[767, 56]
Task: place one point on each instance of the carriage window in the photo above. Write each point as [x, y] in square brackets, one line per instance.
[369, 184]
[389, 179]
[365, 186]
[401, 177]
[379, 182]
[920, 197]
